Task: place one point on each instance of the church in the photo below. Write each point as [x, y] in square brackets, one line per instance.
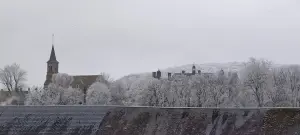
[79, 81]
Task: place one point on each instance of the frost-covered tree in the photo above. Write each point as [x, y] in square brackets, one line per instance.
[136, 91]
[129, 80]
[151, 95]
[181, 90]
[293, 81]
[279, 92]
[98, 94]
[217, 92]
[117, 93]
[62, 79]
[233, 85]
[199, 90]
[13, 77]
[164, 93]
[256, 85]
[255, 76]
[58, 92]
[105, 79]
[245, 98]
[72, 96]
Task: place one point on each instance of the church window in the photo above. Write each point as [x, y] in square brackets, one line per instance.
[77, 86]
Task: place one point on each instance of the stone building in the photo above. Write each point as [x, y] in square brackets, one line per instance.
[158, 74]
[79, 81]
[52, 67]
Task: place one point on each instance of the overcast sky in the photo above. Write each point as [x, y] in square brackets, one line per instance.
[130, 36]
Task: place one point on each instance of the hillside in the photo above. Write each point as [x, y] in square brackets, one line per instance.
[209, 67]
[205, 68]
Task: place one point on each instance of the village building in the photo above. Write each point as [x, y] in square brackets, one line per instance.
[170, 76]
[82, 82]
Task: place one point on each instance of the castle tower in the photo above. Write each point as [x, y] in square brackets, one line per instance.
[194, 69]
[169, 75]
[52, 67]
[154, 74]
[158, 74]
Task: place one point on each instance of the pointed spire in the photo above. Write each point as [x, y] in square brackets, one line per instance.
[52, 55]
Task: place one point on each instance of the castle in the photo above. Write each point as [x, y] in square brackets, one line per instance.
[158, 74]
[80, 81]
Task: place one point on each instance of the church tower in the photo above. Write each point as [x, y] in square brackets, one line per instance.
[52, 67]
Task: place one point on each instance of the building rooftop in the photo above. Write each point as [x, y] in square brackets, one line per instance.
[83, 81]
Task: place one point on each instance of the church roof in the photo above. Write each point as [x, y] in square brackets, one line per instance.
[52, 55]
[83, 81]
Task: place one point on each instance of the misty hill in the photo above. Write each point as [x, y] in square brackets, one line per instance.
[205, 68]
[213, 67]
[209, 67]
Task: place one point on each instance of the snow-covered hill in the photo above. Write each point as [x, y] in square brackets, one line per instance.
[205, 68]
[208, 67]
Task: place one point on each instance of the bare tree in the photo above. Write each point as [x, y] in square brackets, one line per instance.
[13, 77]
[217, 91]
[293, 77]
[58, 92]
[255, 76]
[151, 94]
[279, 93]
[117, 93]
[233, 85]
[105, 79]
[181, 92]
[199, 88]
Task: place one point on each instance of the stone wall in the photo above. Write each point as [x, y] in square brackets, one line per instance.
[109, 120]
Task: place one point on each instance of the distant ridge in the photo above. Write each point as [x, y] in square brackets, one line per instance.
[208, 67]
[205, 68]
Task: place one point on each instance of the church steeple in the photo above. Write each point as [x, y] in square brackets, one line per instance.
[52, 66]
[52, 55]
